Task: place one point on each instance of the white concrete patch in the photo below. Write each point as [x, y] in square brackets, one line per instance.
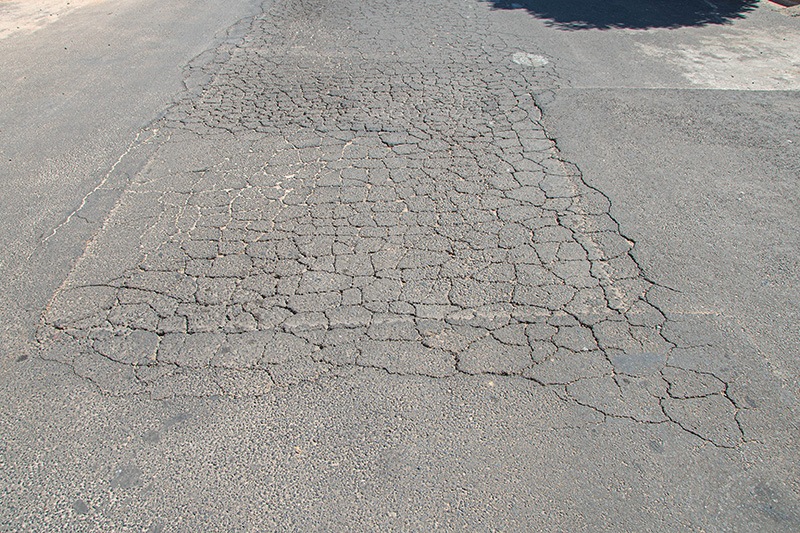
[27, 16]
[738, 60]
[529, 60]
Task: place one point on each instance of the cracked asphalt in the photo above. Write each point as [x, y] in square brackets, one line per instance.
[408, 267]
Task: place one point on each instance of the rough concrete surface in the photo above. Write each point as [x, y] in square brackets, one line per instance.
[366, 265]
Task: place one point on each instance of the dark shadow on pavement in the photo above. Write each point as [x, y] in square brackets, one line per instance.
[631, 14]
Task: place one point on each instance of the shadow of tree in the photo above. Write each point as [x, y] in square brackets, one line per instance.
[632, 14]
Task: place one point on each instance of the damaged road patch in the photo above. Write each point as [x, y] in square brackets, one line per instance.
[307, 215]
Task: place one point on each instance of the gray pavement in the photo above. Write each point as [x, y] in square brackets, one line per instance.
[420, 266]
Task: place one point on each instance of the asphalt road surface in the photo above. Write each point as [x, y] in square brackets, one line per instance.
[365, 265]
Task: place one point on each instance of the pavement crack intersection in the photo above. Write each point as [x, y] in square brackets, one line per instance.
[371, 200]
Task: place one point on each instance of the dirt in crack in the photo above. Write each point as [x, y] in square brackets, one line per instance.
[342, 198]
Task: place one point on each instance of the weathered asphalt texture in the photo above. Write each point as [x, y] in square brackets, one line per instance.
[74, 97]
[350, 279]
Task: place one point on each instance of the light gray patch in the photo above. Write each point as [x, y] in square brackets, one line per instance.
[80, 507]
[637, 364]
[529, 60]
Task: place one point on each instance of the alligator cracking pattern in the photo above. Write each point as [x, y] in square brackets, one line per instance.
[388, 198]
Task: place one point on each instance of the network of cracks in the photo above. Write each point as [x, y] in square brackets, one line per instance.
[397, 214]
